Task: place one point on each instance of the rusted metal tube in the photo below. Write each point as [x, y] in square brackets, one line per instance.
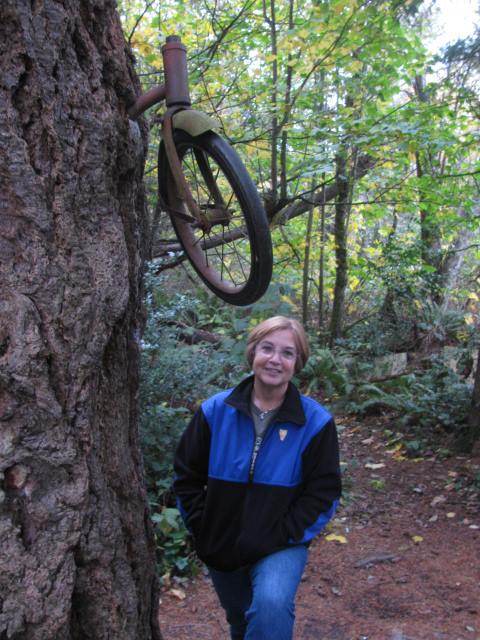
[181, 184]
[176, 73]
[146, 100]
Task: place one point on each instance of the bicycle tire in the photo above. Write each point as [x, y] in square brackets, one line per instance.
[234, 259]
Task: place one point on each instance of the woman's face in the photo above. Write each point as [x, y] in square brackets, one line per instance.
[275, 358]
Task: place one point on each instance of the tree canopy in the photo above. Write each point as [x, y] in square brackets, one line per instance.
[341, 112]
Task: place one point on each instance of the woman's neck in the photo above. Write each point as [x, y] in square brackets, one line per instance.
[267, 398]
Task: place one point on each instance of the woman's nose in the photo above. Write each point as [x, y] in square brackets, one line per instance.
[275, 355]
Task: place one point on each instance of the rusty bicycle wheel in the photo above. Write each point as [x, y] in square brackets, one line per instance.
[232, 252]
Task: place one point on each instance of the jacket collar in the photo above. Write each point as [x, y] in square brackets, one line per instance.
[291, 409]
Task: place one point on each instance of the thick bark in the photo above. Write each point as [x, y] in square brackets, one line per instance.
[77, 553]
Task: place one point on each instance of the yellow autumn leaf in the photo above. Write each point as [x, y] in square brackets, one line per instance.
[417, 539]
[356, 65]
[397, 447]
[334, 537]
[354, 283]
[145, 48]
[373, 466]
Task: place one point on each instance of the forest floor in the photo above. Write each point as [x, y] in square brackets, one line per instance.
[401, 561]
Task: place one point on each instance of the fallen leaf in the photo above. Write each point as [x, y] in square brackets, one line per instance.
[178, 593]
[334, 537]
[417, 539]
[166, 579]
[375, 559]
[368, 440]
[438, 500]
[373, 465]
[451, 514]
[396, 448]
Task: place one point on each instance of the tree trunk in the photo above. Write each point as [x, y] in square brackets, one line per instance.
[473, 434]
[321, 263]
[430, 229]
[342, 211]
[77, 553]
[306, 266]
[272, 23]
[451, 265]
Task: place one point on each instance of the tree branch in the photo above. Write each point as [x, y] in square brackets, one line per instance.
[139, 19]
[292, 210]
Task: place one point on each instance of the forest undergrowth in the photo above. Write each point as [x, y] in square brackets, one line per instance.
[193, 346]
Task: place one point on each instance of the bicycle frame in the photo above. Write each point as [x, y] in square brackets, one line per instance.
[176, 93]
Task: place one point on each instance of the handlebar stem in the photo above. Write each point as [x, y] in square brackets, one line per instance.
[176, 72]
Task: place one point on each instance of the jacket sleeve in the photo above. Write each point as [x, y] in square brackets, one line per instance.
[191, 471]
[320, 490]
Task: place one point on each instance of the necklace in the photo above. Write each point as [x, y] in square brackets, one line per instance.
[263, 414]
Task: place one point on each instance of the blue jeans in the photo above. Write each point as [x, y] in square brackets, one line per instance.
[259, 600]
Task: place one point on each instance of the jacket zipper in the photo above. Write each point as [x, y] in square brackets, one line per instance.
[256, 449]
[253, 459]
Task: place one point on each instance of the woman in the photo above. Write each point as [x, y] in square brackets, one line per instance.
[257, 477]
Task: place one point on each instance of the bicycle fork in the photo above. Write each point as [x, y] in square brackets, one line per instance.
[176, 93]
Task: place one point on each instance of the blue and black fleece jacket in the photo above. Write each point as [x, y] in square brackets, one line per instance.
[243, 497]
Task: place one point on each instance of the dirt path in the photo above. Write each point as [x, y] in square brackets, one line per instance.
[402, 561]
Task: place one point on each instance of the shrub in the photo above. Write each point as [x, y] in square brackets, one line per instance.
[433, 398]
[437, 398]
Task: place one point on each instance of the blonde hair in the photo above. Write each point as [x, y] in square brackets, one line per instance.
[258, 333]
